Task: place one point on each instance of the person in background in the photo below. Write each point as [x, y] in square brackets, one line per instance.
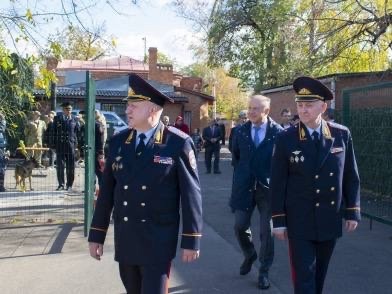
[285, 118]
[99, 148]
[99, 117]
[252, 149]
[314, 172]
[34, 133]
[211, 137]
[181, 125]
[223, 130]
[65, 136]
[295, 119]
[48, 139]
[197, 140]
[242, 118]
[166, 120]
[3, 155]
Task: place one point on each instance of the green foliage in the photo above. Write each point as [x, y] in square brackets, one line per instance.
[230, 96]
[268, 43]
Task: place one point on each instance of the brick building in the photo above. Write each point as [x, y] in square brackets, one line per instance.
[283, 97]
[111, 79]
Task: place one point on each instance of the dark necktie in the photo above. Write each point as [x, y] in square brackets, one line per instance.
[141, 146]
[316, 139]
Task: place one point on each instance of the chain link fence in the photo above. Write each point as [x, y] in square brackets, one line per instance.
[368, 113]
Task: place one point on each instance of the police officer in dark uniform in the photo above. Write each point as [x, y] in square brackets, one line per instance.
[212, 135]
[150, 175]
[314, 172]
[65, 133]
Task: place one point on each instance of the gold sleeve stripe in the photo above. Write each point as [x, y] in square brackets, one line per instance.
[192, 235]
[277, 215]
[353, 208]
[98, 229]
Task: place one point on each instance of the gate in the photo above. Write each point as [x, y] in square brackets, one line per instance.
[43, 203]
[367, 111]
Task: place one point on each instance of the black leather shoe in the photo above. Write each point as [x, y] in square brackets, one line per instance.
[60, 188]
[263, 283]
[246, 266]
[217, 172]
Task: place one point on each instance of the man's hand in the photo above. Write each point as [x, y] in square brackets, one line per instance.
[280, 233]
[96, 250]
[351, 225]
[190, 255]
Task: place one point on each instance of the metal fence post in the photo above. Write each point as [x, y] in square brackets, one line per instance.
[89, 149]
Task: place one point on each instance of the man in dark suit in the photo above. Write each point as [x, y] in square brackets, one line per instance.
[65, 133]
[242, 118]
[150, 172]
[211, 137]
[252, 150]
[313, 172]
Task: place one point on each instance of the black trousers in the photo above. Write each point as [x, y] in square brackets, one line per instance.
[145, 279]
[309, 264]
[244, 235]
[66, 160]
[209, 151]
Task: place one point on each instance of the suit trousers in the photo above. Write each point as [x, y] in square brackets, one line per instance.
[244, 235]
[145, 279]
[67, 159]
[309, 264]
[210, 150]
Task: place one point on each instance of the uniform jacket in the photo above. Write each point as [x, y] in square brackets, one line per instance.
[34, 132]
[208, 134]
[146, 193]
[252, 165]
[308, 189]
[65, 133]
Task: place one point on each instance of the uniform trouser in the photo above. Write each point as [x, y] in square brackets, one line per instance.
[309, 264]
[67, 160]
[244, 235]
[212, 150]
[145, 279]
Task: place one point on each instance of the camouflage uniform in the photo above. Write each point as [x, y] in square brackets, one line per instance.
[34, 132]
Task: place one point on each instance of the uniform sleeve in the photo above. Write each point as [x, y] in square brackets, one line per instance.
[191, 202]
[104, 205]
[278, 183]
[351, 184]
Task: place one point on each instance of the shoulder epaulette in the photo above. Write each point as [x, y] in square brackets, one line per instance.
[178, 132]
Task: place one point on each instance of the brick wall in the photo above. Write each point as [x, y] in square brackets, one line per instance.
[159, 72]
[192, 83]
[285, 97]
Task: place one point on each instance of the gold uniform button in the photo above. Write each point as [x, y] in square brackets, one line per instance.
[125, 219]
[332, 188]
[144, 187]
[316, 176]
[125, 187]
[143, 220]
[330, 174]
[125, 203]
[317, 204]
[332, 202]
[317, 191]
[143, 204]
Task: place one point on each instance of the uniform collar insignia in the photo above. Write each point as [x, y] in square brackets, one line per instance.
[128, 140]
[158, 137]
[302, 133]
[325, 130]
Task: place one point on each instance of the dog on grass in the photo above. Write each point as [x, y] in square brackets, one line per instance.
[24, 170]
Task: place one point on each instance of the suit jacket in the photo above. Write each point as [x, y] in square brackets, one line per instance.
[208, 134]
[308, 188]
[146, 193]
[252, 165]
[65, 133]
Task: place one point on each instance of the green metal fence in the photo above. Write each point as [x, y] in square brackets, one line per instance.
[367, 111]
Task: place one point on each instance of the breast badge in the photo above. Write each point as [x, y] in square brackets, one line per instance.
[296, 158]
